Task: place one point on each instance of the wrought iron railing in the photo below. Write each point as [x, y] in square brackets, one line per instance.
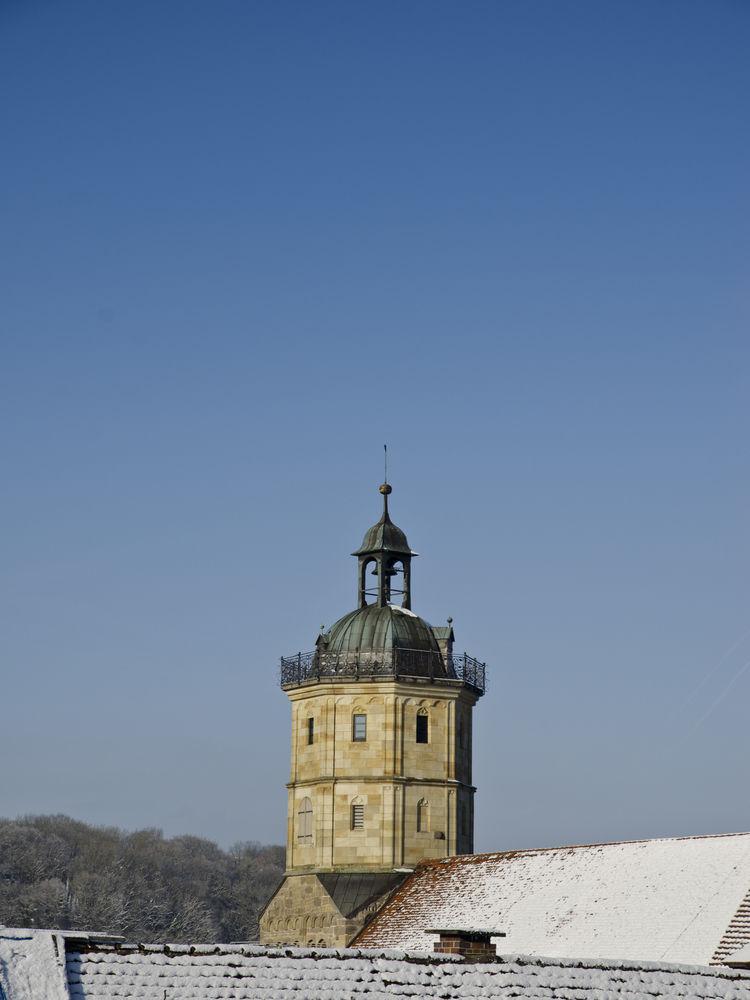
[470, 671]
[305, 667]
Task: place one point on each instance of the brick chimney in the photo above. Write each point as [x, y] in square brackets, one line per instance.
[472, 944]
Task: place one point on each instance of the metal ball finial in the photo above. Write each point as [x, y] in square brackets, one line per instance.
[385, 489]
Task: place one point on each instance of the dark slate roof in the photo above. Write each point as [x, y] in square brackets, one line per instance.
[350, 892]
[443, 631]
[376, 628]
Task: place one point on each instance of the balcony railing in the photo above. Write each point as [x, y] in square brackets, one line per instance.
[319, 664]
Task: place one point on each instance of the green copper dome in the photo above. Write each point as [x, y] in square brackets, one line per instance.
[383, 637]
[375, 628]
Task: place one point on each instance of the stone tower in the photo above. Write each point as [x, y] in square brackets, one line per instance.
[381, 753]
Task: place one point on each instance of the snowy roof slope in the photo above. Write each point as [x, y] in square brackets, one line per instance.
[741, 957]
[667, 900]
[31, 965]
[49, 965]
[737, 933]
[246, 973]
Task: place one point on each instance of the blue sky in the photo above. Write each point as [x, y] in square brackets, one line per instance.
[244, 244]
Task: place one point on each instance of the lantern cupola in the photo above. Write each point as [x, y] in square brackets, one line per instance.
[385, 555]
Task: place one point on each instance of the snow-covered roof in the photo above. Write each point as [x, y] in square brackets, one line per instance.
[740, 958]
[737, 935]
[32, 965]
[49, 965]
[674, 900]
[264, 974]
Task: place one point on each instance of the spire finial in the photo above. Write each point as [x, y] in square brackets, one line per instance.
[386, 487]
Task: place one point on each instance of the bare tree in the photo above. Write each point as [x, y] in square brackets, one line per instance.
[58, 872]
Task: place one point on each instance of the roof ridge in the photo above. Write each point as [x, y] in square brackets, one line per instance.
[472, 858]
[408, 956]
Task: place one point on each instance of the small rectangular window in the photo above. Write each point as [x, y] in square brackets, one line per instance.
[310, 731]
[423, 728]
[358, 816]
[359, 728]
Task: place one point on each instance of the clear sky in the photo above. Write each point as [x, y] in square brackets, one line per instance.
[243, 244]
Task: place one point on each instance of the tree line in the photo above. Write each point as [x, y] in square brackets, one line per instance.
[58, 872]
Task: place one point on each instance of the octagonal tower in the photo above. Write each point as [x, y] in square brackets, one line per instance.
[381, 753]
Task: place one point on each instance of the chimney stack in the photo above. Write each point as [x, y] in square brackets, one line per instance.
[472, 944]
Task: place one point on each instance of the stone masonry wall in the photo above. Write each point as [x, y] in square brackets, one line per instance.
[302, 913]
[389, 775]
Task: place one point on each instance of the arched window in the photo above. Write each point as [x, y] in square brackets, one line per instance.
[367, 594]
[423, 726]
[357, 817]
[423, 816]
[305, 822]
[396, 592]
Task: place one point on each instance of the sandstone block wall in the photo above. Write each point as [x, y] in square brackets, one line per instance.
[302, 913]
[389, 774]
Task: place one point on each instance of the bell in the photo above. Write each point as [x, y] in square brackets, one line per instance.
[390, 571]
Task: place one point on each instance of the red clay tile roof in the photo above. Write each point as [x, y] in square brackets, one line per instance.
[737, 935]
[675, 900]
